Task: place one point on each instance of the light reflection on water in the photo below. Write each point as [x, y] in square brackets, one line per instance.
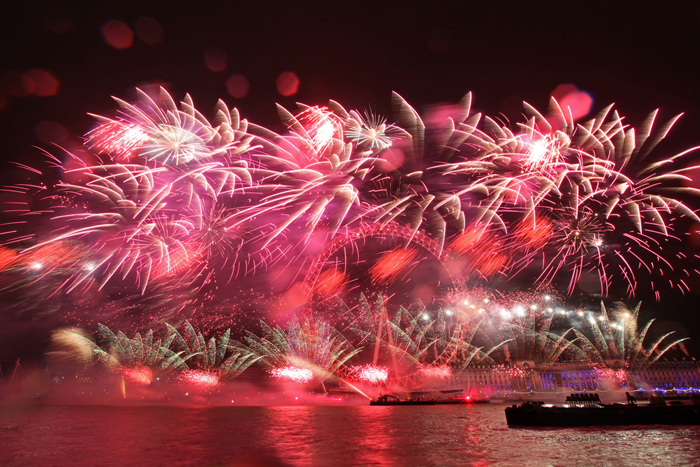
[300, 436]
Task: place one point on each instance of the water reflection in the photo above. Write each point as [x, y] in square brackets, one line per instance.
[323, 436]
[289, 432]
[373, 433]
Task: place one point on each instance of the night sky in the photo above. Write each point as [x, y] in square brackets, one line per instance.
[429, 52]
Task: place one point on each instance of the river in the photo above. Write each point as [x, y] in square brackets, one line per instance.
[464, 435]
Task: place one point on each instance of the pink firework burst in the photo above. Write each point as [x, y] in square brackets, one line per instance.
[372, 374]
[122, 139]
[139, 375]
[436, 372]
[293, 373]
[200, 378]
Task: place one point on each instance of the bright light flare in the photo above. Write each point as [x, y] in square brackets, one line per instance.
[141, 375]
[438, 372]
[199, 378]
[545, 153]
[369, 374]
[321, 126]
[369, 130]
[293, 373]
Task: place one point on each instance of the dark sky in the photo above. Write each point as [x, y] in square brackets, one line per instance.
[356, 53]
[429, 52]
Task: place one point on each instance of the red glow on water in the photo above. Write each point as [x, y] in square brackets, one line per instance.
[287, 83]
[238, 86]
[293, 373]
[118, 34]
[199, 378]
[141, 375]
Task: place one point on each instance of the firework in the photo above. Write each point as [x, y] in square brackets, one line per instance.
[392, 264]
[142, 357]
[140, 375]
[371, 131]
[309, 344]
[159, 132]
[406, 186]
[119, 352]
[293, 373]
[372, 374]
[421, 339]
[217, 357]
[159, 200]
[199, 378]
[616, 336]
[619, 377]
[436, 372]
[71, 345]
[607, 209]
[516, 326]
[163, 201]
[307, 175]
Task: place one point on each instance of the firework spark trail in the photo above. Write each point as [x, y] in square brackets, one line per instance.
[165, 194]
[162, 199]
[612, 213]
[309, 171]
[372, 374]
[435, 344]
[518, 325]
[217, 355]
[309, 345]
[618, 336]
[420, 340]
[293, 373]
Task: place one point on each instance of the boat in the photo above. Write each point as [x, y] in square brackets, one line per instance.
[388, 399]
[587, 410]
[462, 400]
[459, 396]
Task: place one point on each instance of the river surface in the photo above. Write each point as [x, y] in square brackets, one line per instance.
[463, 435]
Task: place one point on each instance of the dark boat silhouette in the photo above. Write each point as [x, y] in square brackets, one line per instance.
[462, 400]
[587, 410]
[388, 399]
